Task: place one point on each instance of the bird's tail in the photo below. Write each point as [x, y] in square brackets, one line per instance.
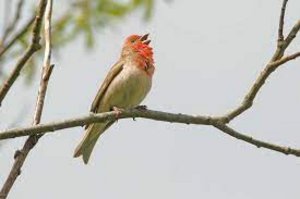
[87, 144]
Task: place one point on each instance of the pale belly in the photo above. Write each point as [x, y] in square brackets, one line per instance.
[127, 90]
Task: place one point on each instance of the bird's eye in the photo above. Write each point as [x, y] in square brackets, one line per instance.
[132, 41]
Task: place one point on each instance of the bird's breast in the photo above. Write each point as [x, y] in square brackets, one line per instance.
[128, 88]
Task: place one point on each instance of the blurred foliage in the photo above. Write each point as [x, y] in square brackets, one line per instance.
[80, 18]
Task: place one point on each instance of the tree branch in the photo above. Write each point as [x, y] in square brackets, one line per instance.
[284, 60]
[260, 81]
[281, 22]
[292, 34]
[20, 156]
[273, 64]
[146, 114]
[47, 67]
[259, 143]
[33, 47]
[108, 116]
[285, 43]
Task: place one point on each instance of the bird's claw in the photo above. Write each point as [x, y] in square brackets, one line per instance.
[118, 111]
[141, 107]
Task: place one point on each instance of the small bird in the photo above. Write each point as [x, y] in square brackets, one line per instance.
[125, 86]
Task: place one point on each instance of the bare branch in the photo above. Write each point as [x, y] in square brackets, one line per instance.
[47, 68]
[285, 43]
[248, 100]
[273, 64]
[20, 155]
[281, 22]
[108, 116]
[146, 114]
[292, 34]
[284, 60]
[282, 149]
[33, 47]
[276, 61]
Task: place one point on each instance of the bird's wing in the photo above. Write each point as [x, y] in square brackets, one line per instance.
[114, 71]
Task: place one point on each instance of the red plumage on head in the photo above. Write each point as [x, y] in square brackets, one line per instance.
[131, 38]
[143, 49]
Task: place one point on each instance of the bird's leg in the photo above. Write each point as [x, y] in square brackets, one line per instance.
[140, 108]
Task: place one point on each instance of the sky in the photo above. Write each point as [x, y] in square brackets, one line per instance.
[207, 55]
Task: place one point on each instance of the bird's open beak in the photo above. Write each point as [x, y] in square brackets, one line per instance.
[145, 39]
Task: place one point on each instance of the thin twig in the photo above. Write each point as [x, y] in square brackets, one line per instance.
[14, 22]
[284, 60]
[20, 155]
[146, 114]
[285, 43]
[281, 23]
[273, 64]
[276, 61]
[33, 47]
[259, 143]
[292, 34]
[22, 31]
[47, 67]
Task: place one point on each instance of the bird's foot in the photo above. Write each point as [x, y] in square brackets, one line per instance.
[118, 111]
[141, 107]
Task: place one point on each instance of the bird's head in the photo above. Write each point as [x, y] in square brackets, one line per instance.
[138, 46]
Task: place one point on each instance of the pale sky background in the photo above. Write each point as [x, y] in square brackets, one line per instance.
[207, 53]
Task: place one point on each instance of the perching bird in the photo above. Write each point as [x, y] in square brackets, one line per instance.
[125, 86]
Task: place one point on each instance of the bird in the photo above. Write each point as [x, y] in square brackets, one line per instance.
[126, 85]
